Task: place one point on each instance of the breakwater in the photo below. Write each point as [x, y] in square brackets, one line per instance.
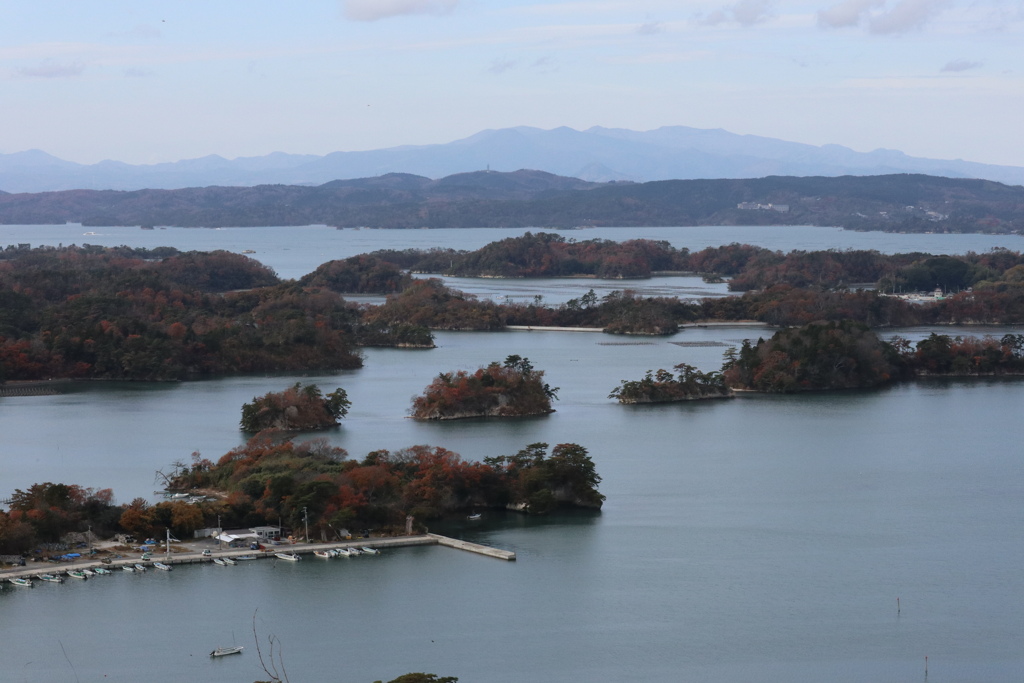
[197, 557]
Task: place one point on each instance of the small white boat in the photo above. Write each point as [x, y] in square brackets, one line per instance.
[369, 551]
[220, 561]
[140, 567]
[228, 560]
[75, 574]
[247, 557]
[474, 517]
[88, 572]
[224, 651]
[50, 577]
[101, 571]
[326, 554]
[341, 552]
[128, 568]
[354, 551]
[162, 567]
[25, 583]
[291, 557]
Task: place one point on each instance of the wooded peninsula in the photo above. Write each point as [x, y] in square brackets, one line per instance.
[483, 199]
[95, 312]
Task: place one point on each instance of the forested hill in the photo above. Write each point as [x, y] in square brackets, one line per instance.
[910, 203]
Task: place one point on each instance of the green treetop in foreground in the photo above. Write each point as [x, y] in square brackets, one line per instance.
[296, 408]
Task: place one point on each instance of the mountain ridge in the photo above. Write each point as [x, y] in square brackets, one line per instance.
[596, 154]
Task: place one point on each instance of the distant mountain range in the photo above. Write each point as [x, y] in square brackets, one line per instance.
[901, 202]
[596, 154]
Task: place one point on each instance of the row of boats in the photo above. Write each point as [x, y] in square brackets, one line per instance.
[84, 574]
[342, 552]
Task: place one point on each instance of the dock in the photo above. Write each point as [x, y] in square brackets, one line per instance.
[487, 551]
[173, 559]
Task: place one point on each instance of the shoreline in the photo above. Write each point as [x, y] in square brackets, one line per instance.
[197, 557]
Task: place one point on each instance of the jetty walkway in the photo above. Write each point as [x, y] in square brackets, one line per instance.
[197, 557]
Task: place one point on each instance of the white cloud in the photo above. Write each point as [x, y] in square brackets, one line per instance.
[848, 13]
[906, 16]
[750, 12]
[372, 10]
[52, 70]
[744, 13]
[961, 65]
[500, 66]
[650, 28]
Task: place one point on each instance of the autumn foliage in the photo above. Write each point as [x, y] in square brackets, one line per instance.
[268, 478]
[499, 390]
[296, 408]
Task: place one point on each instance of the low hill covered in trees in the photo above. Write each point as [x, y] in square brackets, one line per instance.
[901, 202]
[663, 387]
[269, 479]
[294, 409]
[848, 355]
[511, 389]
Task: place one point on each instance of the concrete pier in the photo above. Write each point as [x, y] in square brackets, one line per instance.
[474, 547]
[30, 571]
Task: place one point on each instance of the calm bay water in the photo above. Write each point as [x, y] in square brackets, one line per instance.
[761, 538]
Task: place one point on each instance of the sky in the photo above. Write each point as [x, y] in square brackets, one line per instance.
[142, 81]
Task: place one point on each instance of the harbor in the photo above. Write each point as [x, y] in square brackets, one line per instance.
[269, 552]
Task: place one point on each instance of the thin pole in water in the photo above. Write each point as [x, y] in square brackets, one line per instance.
[897, 606]
[926, 666]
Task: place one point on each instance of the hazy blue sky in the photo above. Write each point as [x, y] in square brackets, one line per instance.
[143, 81]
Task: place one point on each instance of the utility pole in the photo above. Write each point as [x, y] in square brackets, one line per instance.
[305, 516]
[220, 532]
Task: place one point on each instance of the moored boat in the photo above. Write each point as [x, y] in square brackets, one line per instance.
[223, 651]
[76, 574]
[161, 566]
[101, 571]
[140, 567]
[291, 557]
[474, 517]
[228, 560]
[89, 572]
[341, 552]
[219, 561]
[247, 557]
[326, 554]
[50, 577]
[369, 551]
[128, 568]
[24, 583]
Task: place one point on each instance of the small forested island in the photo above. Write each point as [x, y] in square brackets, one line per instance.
[848, 355]
[511, 389]
[270, 478]
[296, 408]
[663, 387]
